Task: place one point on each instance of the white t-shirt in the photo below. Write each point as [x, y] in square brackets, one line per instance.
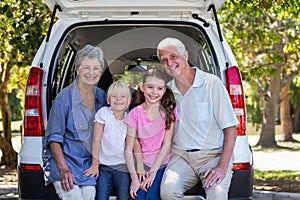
[203, 111]
[113, 139]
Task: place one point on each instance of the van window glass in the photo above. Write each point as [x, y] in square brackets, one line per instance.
[64, 72]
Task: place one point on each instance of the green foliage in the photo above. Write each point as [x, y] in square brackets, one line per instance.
[294, 93]
[254, 107]
[23, 25]
[15, 105]
[262, 34]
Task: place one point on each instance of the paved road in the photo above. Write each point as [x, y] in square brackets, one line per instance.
[282, 160]
[276, 160]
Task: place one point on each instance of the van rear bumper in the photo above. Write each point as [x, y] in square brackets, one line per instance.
[242, 184]
[240, 189]
[32, 186]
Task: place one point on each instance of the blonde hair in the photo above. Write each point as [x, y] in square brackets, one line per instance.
[118, 85]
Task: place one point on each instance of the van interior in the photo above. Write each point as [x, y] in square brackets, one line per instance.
[128, 49]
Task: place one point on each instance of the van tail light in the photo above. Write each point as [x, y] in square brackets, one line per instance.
[32, 122]
[236, 94]
[30, 167]
[240, 166]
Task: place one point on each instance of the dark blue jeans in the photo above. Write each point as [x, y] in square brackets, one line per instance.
[110, 176]
[154, 190]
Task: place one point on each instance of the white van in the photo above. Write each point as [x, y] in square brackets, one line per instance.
[128, 32]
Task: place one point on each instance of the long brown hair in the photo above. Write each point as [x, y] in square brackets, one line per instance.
[167, 102]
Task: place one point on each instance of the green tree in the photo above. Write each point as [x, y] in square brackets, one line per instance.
[265, 39]
[15, 105]
[22, 27]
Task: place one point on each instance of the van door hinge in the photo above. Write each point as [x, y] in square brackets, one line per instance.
[205, 23]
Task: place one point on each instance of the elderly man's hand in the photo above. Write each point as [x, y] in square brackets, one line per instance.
[213, 176]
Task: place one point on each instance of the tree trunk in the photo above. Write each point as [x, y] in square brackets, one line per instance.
[270, 109]
[6, 116]
[9, 156]
[296, 120]
[285, 115]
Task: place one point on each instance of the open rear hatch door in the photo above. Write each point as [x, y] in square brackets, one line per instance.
[114, 9]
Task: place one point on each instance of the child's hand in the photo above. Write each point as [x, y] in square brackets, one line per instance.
[92, 171]
[134, 187]
[142, 174]
[146, 184]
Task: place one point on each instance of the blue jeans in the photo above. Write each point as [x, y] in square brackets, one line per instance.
[110, 176]
[154, 190]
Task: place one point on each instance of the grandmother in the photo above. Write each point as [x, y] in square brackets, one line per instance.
[67, 144]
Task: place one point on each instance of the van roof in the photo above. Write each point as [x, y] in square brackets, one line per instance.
[116, 9]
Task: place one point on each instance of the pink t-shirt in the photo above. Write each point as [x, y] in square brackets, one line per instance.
[150, 133]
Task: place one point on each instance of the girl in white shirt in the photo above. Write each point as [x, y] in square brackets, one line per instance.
[108, 145]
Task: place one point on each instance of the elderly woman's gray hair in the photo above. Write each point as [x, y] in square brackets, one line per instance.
[89, 51]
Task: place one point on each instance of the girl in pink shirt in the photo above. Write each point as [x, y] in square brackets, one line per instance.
[150, 131]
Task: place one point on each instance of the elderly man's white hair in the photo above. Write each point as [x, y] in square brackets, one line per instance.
[171, 42]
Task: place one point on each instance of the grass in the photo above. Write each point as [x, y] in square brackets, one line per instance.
[279, 181]
[276, 174]
[275, 180]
